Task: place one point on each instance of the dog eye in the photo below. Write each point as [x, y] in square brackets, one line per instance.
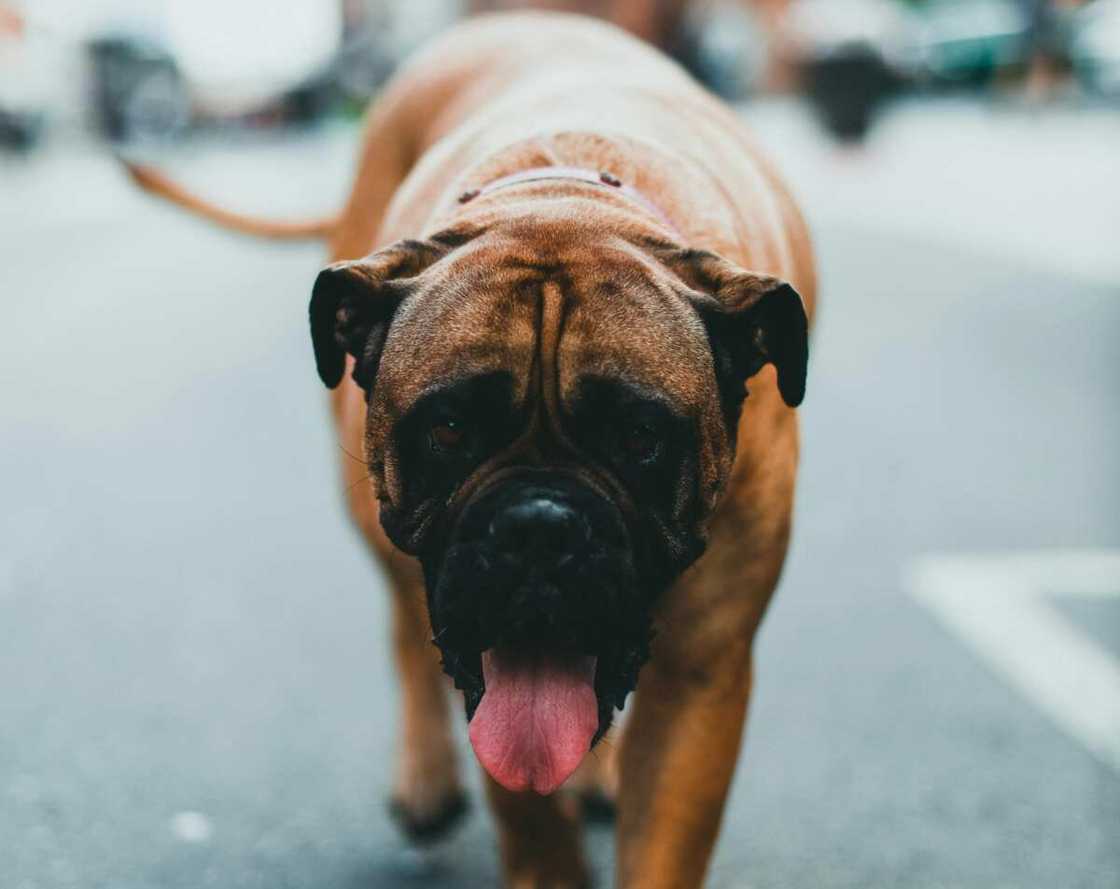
[447, 436]
[641, 442]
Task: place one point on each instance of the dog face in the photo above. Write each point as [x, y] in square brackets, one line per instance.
[552, 418]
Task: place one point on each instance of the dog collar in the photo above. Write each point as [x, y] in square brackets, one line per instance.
[601, 178]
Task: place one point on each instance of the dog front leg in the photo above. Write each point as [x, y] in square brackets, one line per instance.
[539, 838]
[677, 761]
[428, 799]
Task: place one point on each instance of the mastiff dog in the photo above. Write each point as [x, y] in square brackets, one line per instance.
[562, 268]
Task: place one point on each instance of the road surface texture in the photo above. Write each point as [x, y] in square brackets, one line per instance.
[195, 687]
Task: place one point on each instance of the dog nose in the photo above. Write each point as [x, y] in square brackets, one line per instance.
[539, 529]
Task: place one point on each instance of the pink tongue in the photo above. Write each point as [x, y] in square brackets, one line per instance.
[536, 719]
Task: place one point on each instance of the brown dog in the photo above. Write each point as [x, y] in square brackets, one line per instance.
[578, 259]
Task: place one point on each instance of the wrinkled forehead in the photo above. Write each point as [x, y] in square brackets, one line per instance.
[475, 312]
[487, 307]
[636, 329]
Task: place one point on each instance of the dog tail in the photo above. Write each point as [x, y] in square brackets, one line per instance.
[156, 183]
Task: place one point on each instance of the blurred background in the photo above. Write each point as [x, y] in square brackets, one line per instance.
[195, 687]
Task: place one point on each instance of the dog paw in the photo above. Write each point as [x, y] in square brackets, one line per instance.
[598, 806]
[432, 823]
[595, 785]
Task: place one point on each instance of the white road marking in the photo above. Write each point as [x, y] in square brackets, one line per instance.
[996, 604]
[192, 827]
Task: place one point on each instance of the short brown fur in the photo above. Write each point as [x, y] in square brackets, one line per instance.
[477, 106]
[486, 100]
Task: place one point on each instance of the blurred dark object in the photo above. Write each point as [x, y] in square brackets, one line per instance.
[847, 87]
[138, 91]
[846, 53]
[20, 130]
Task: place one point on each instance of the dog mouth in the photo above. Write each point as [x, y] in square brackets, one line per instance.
[542, 667]
[538, 717]
[542, 616]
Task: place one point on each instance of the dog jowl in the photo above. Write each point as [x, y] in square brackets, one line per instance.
[549, 429]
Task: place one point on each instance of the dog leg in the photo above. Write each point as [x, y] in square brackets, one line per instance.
[539, 837]
[427, 796]
[685, 729]
[595, 782]
[676, 765]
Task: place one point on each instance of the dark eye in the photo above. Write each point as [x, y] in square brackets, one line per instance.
[640, 442]
[447, 436]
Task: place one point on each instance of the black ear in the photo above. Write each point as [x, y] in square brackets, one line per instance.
[752, 320]
[353, 302]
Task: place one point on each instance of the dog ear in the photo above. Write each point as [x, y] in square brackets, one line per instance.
[752, 320]
[353, 302]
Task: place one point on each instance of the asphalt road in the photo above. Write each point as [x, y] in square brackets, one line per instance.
[195, 687]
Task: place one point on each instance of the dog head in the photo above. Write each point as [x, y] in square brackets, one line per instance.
[552, 418]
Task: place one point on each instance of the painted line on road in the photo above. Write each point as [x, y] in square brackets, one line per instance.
[996, 603]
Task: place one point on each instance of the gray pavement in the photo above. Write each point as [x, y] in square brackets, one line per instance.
[195, 687]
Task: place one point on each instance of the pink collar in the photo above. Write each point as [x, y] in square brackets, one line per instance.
[578, 174]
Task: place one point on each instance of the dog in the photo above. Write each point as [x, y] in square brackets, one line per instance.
[562, 268]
